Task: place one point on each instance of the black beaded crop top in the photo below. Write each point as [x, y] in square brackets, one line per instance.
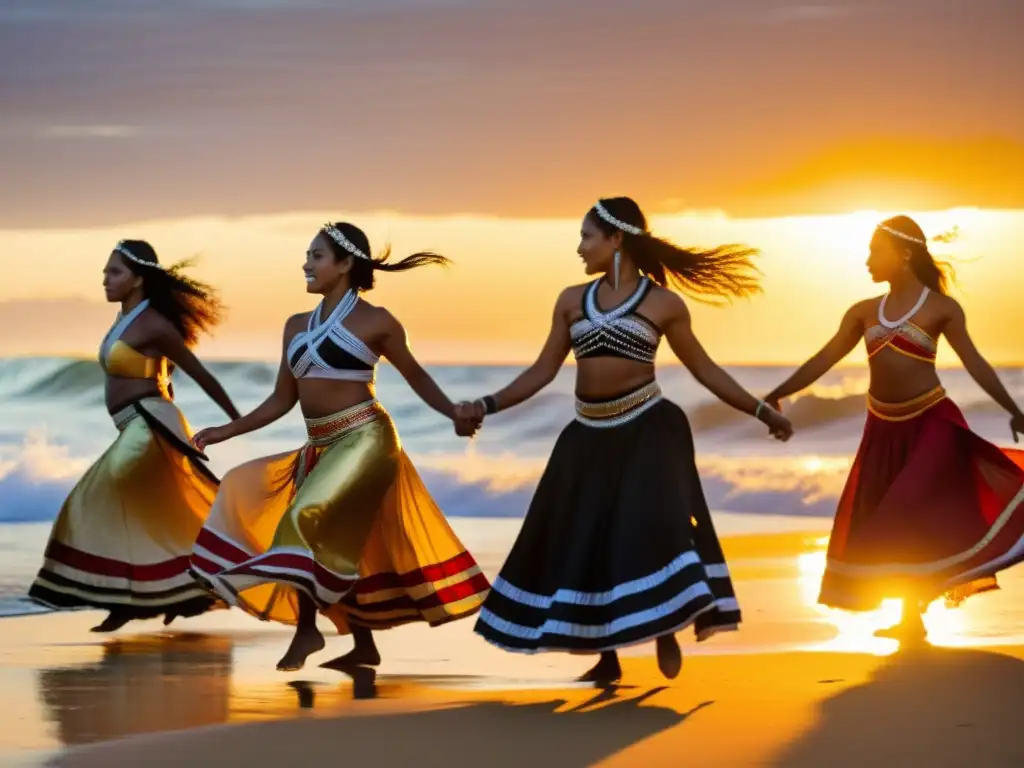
[620, 332]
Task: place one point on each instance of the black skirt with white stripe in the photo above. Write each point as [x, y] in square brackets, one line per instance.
[617, 547]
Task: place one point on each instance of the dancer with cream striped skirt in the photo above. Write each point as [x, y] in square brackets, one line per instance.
[618, 546]
[123, 536]
[344, 525]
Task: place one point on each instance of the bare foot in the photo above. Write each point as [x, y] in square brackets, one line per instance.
[304, 643]
[360, 656]
[114, 621]
[670, 658]
[605, 672]
[910, 630]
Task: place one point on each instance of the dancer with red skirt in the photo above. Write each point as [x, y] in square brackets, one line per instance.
[930, 508]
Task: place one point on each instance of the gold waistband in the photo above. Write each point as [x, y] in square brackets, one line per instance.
[906, 410]
[328, 429]
[612, 409]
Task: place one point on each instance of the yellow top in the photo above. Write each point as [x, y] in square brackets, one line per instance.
[124, 361]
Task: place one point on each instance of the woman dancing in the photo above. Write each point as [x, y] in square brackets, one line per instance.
[344, 525]
[929, 507]
[123, 537]
[618, 546]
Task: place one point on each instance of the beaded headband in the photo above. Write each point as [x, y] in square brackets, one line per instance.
[627, 228]
[335, 234]
[123, 250]
[902, 235]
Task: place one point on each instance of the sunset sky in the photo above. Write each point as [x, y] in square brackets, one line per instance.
[484, 129]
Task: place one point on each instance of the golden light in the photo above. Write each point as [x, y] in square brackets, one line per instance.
[855, 631]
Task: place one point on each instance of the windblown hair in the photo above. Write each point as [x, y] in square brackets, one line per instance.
[712, 276]
[192, 307]
[364, 270]
[936, 275]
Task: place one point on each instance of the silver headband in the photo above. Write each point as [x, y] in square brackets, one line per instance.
[123, 250]
[627, 228]
[335, 234]
[902, 235]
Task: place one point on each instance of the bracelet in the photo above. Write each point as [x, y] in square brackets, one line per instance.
[490, 404]
[761, 404]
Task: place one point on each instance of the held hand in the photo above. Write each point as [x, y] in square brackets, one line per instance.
[468, 419]
[778, 425]
[775, 404]
[1017, 426]
[210, 436]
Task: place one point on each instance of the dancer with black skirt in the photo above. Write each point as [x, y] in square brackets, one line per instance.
[618, 547]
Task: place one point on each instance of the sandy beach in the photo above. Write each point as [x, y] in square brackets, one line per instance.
[797, 686]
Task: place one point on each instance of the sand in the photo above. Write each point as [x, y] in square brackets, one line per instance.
[798, 686]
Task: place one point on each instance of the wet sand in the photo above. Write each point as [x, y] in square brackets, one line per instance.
[798, 685]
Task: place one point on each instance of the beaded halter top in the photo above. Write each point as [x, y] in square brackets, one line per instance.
[901, 335]
[620, 332]
[328, 350]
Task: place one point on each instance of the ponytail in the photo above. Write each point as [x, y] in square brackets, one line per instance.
[365, 265]
[712, 276]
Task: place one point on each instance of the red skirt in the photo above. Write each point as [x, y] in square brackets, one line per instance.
[930, 508]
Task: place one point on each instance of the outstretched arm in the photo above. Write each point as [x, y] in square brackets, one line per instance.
[680, 337]
[172, 346]
[395, 346]
[280, 401]
[546, 367]
[838, 347]
[979, 368]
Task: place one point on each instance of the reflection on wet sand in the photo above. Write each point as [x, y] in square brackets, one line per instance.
[141, 684]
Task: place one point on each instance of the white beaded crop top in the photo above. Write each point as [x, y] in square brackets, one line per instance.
[620, 332]
[328, 350]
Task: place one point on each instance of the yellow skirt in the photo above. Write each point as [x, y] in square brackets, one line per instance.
[123, 537]
[345, 520]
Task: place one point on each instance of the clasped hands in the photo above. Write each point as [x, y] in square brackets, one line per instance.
[468, 418]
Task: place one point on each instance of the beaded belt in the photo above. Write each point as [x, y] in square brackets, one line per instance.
[328, 429]
[907, 410]
[612, 413]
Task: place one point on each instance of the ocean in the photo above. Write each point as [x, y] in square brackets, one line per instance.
[53, 424]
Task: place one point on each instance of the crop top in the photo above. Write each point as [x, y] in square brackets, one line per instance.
[901, 335]
[120, 359]
[328, 350]
[620, 332]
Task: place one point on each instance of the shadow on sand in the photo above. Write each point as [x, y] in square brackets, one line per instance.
[962, 704]
[495, 734]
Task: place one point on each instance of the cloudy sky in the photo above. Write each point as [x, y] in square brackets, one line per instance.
[138, 109]
[201, 122]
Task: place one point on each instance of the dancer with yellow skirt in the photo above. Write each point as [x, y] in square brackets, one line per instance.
[930, 508]
[123, 537]
[344, 525]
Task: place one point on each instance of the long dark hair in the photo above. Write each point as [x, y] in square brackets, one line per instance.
[936, 275]
[364, 270]
[711, 275]
[192, 307]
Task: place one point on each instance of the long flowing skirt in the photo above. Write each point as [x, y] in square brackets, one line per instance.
[930, 508]
[345, 520]
[618, 546]
[124, 535]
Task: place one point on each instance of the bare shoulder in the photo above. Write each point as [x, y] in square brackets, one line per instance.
[158, 325]
[572, 296]
[296, 323]
[865, 309]
[946, 307]
[664, 305]
[379, 319]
